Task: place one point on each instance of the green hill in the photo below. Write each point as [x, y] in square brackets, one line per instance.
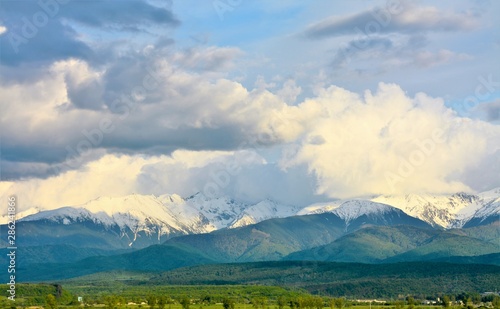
[56, 254]
[397, 244]
[344, 279]
[157, 257]
[447, 244]
[486, 232]
[268, 240]
[368, 245]
[493, 259]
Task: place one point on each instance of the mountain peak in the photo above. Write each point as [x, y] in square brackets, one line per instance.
[448, 211]
[354, 209]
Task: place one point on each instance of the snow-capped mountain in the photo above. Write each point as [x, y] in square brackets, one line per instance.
[141, 220]
[358, 213]
[354, 209]
[348, 210]
[159, 218]
[131, 214]
[264, 210]
[490, 212]
[448, 211]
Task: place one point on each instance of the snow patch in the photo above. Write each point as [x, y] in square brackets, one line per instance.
[448, 211]
[354, 209]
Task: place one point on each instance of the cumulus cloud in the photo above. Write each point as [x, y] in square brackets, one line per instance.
[242, 174]
[386, 143]
[289, 92]
[336, 144]
[150, 105]
[107, 176]
[85, 118]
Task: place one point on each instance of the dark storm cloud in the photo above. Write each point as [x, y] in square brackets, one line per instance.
[41, 30]
[52, 42]
[18, 170]
[154, 140]
[45, 156]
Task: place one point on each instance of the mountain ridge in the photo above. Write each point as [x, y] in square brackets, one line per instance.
[140, 220]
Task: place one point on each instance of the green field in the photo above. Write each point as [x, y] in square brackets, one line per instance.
[137, 294]
[120, 296]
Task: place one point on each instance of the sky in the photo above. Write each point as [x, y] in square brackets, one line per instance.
[294, 101]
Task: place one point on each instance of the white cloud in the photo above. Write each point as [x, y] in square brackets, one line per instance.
[242, 174]
[289, 92]
[387, 142]
[340, 144]
[108, 176]
[336, 143]
[45, 117]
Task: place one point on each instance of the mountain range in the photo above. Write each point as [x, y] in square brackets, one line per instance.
[141, 220]
[126, 232]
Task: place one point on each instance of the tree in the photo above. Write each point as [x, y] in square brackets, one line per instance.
[228, 303]
[162, 301]
[110, 301]
[496, 302]
[446, 301]
[339, 303]
[469, 304]
[152, 300]
[207, 300]
[411, 302]
[317, 302]
[399, 304]
[301, 302]
[185, 302]
[259, 302]
[50, 302]
[309, 302]
[476, 298]
[281, 302]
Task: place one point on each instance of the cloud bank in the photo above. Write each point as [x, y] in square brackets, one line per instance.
[180, 136]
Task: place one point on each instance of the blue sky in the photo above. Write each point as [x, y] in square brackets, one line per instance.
[273, 31]
[310, 101]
